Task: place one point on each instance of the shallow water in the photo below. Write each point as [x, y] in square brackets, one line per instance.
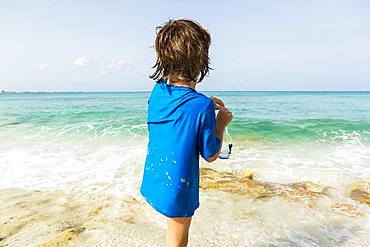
[95, 143]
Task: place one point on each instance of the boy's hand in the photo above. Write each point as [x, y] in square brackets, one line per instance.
[224, 116]
[218, 103]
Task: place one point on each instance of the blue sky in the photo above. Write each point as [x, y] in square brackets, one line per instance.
[256, 45]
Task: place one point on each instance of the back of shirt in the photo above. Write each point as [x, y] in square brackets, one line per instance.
[181, 125]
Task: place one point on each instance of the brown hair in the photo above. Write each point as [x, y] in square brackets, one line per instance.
[182, 50]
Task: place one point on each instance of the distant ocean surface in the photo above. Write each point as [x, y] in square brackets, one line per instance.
[273, 116]
[331, 126]
[76, 141]
[279, 129]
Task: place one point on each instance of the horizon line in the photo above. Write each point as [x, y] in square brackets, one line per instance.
[146, 91]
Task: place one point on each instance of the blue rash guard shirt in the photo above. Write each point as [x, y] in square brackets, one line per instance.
[181, 124]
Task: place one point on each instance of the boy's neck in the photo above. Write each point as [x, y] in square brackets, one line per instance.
[182, 83]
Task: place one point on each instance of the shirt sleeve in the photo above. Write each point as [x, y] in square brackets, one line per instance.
[208, 142]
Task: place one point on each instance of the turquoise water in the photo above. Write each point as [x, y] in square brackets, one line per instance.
[262, 116]
[281, 135]
[96, 143]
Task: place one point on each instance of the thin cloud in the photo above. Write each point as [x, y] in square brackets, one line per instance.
[84, 62]
[114, 67]
[43, 67]
[117, 66]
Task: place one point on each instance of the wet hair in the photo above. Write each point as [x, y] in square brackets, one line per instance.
[182, 50]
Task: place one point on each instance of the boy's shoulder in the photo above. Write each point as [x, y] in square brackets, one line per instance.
[203, 99]
[203, 103]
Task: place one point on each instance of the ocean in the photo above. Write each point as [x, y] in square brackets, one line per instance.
[96, 143]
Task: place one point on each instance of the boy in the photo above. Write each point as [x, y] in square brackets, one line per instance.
[182, 124]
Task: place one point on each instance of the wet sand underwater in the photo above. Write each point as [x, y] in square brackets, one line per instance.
[236, 210]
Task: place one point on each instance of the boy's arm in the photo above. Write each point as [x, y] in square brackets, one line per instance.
[220, 128]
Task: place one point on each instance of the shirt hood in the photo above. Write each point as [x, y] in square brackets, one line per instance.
[166, 99]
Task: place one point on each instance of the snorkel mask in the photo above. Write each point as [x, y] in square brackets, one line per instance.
[225, 153]
[226, 150]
